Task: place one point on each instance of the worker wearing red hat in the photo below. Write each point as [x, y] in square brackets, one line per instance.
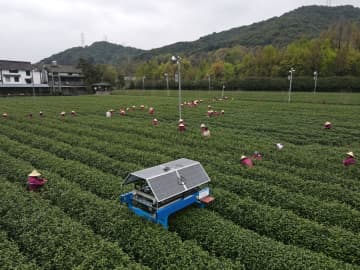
[350, 159]
[244, 160]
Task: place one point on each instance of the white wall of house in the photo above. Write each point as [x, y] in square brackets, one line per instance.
[20, 77]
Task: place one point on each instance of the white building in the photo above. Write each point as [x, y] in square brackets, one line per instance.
[20, 76]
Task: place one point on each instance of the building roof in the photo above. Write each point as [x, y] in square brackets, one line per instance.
[171, 179]
[19, 65]
[62, 68]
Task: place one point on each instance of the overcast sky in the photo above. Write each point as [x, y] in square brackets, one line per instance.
[35, 29]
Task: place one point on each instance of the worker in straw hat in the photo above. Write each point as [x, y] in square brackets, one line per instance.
[155, 122]
[34, 182]
[350, 159]
[73, 113]
[327, 125]
[4, 115]
[257, 155]
[244, 160]
[206, 132]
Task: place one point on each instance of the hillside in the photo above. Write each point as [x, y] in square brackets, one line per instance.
[307, 21]
[99, 52]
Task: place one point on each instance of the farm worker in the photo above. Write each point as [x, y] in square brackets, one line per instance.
[62, 114]
[5, 115]
[41, 114]
[133, 107]
[209, 107]
[151, 110]
[112, 111]
[122, 112]
[155, 122]
[142, 107]
[34, 182]
[30, 115]
[181, 127]
[73, 113]
[246, 161]
[210, 113]
[279, 146]
[327, 125]
[216, 113]
[181, 121]
[257, 155]
[108, 114]
[222, 112]
[202, 127]
[206, 132]
[350, 159]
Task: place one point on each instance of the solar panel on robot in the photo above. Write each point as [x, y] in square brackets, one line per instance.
[167, 188]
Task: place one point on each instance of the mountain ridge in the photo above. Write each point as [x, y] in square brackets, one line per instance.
[305, 21]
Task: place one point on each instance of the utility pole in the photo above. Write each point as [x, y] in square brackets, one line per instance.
[177, 59]
[290, 77]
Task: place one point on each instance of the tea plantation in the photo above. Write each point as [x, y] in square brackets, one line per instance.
[297, 208]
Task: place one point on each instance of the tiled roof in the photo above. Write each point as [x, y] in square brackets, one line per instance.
[19, 65]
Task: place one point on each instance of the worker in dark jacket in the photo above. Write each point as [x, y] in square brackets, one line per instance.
[350, 159]
[34, 182]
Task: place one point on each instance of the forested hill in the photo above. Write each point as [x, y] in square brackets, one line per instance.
[101, 52]
[307, 21]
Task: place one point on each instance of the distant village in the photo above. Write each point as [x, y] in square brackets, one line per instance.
[19, 78]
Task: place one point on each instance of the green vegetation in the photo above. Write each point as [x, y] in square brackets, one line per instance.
[255, 57]
[298, 208]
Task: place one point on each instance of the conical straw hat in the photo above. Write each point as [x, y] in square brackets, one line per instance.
[243, 157]
[327, 123]
[202, 125]
[34, 173]
[351, 154]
